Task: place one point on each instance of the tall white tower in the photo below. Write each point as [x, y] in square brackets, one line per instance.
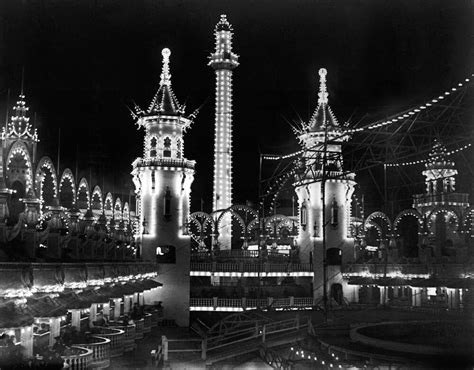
[321, 173]
[162, 181]
[223, 60]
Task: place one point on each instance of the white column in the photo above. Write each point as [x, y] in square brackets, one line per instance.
[415, 297]
[26, 338]
[54, 329]
[106, 309]
[382, 294]
[76, 319]
[92, 314]
[142, 299]
[126, 305]
[118, 303]
[136, 298]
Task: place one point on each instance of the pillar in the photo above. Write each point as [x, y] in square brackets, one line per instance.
[54, 329]
[26, 338]
[415, 297]
[383, 292]
[136, 298]
[126, 305]
[92, 314]
[117, 304]
[76, 319]
[106, 310]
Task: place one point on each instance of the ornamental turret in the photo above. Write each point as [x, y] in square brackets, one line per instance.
[163, 179]
[324, 190]
[223, 61]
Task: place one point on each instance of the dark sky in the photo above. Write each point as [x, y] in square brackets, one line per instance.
[85, 60]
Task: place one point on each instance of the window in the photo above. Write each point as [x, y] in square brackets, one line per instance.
[153, 143]
[167, 149]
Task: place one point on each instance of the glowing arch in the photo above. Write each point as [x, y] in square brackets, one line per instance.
[118, 209]
[369, 225]
[202, 222]
[405, 213]
[109, 204]
[20, 148]
[66, 176]
[45, 163]
[451, 211]
[126, 212]
[83, 197]
[380, 215]
[97, 203]
[233, 214]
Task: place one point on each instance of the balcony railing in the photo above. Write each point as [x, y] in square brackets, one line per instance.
[147, 323]
[80, 360]
[139, 328]
[242, 304]
[100, 348]
[251, 269]
[129, 336]
[117, 338]
[165, 162]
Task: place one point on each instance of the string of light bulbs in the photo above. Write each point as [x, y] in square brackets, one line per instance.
[275, 157]
[413, 111]
[420, 161]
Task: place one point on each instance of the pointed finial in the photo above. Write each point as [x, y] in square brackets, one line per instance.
[323, 92]
[22, 79]
[165, 72]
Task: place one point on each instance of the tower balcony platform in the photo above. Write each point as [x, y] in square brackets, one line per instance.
[165, 163]
[447, 199]
[256, 269]
[317, 175]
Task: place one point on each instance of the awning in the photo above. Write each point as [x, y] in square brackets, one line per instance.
[11, 316]
[45, 307]
[391, 282]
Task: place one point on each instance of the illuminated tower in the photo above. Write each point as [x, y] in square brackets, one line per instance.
[163, 180]
[442, 206]
[321, 173]
[223, 60]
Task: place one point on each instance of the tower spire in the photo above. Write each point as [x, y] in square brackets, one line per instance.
[323, 92]
[165, 71]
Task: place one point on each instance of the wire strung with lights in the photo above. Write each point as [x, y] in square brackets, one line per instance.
[412, 112]
[421, 161]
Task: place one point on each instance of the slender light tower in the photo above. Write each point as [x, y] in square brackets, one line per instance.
[163, 179]
[223, 60]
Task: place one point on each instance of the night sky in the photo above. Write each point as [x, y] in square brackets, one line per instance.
[85, 61]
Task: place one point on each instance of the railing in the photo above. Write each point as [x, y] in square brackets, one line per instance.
[265, 268]
[117, 338]
[420, 199]
[236, 338]
[165, 162]
[147, 324]
[79, 361]
[139, 328]
[242, 304]
[100, 352]
[129, 336]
